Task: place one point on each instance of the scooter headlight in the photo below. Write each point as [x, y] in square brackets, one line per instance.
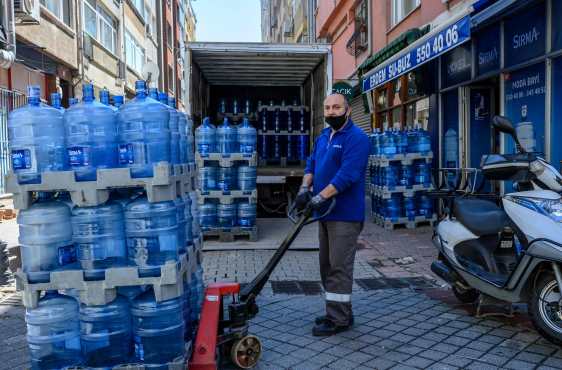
[549, 207]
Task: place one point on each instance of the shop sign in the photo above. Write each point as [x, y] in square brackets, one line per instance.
[457, 65]
[424, 51]
[488, 50]
[525, 35]
[344, 88]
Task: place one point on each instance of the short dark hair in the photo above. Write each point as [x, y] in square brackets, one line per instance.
[346, 102]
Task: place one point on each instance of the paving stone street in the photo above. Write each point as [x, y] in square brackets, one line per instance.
[404, 318]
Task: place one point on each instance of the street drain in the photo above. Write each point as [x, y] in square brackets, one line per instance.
[296, 287]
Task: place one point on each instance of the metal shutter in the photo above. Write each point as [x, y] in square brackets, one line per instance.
[358, 115]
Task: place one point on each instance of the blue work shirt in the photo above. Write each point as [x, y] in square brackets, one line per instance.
[342, 162]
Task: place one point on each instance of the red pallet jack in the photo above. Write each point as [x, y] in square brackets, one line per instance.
[218, 336]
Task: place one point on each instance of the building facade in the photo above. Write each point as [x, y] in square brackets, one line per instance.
[288, 21]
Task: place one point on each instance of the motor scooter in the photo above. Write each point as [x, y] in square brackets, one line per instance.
[512, 251]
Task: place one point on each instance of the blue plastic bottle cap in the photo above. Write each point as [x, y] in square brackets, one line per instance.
[88, 92]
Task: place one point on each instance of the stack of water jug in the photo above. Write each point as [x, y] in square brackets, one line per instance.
[226, 175]
[283, 132]
[400, 174]
[127, 232]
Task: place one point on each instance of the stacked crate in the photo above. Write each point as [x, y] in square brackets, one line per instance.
[168, 183]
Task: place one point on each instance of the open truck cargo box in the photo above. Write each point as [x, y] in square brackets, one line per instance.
[261, 72]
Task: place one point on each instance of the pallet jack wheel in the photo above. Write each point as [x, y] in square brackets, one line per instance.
[246, 352]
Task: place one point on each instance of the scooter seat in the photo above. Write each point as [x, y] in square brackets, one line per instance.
[481, 217]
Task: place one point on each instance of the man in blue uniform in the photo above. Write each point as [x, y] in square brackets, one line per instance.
[336, 168]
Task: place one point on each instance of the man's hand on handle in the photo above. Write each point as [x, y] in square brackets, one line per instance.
[303, 197]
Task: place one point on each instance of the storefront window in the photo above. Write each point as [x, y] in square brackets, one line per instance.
[525, 35]
[396, 117]
[556, 126]
[417, 114]
[488, 50]
[525, 92]
[450, 152]
[457, 65]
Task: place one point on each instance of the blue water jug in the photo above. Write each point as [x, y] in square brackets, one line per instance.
[389, 176]
[227, 138]
[206, 137]
[247, 178]
[208, 177]
[424, 142]
[183, 143]
[247, 137]
[263, 147]
[56, 100]
[99, 236]
[409, 206]
[36, 139]
[235, 106]
[53, 332]
[406, 175]
[190, 141]
[246, 214]
[401, 138]
[170, 103]
[105, 99]
[118, 101]
[222, 106]
[105, 333]
[303, 147]
[389, 144]
[194, 215]
[158, 329]
[91, 136]
[188, 221]
[208, 215]
[182, 224]
[226, 215]
[226, 178]
[425, 206]
[73, 101]
[392, 207]
[45, 237]
[422, 175]
[152, 233]
[144, 134]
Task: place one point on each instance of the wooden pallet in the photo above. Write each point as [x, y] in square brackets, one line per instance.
[232, 234]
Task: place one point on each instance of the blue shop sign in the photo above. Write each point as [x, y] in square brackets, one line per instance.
[525, 35]
[421, 53]
[488, 50]
[457, 65]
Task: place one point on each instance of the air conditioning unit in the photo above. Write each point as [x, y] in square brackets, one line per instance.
[27, 11]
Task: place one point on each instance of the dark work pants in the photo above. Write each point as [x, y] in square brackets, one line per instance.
[338, 244]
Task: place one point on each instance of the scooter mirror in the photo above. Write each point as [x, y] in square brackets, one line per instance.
[503, 124]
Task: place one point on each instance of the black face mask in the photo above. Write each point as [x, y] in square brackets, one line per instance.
[336, 122]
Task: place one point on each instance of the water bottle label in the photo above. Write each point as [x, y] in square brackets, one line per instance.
[21, 159]
[66, 255]
[126, 154]
[79, 156]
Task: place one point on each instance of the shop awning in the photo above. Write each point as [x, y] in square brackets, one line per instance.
[497, 10]
[435, 43]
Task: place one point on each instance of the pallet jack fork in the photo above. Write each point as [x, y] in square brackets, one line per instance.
[218, 336]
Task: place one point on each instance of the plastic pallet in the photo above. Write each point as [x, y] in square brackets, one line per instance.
[385, 193]
[404, 222]
[227, 197]
[163, 186]
[229, 235]
[178, 363]
[407, 158]
[166, 286]
[226, 160]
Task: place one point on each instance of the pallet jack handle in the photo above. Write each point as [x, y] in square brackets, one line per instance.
[300, 218]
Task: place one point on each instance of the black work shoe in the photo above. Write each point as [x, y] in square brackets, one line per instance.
[320, 319]
[328, 328]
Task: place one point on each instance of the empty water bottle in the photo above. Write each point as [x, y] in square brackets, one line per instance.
[45, 237]
[152, 233]
[56, 102]
[406, 175]
[389, 144]
[424, 141]
[206, 137]
[144, 134]
[227, 138]
[409, 206]
[99, 236]
[226, 215]
[392, 207]
[226, 178]
[425, 206]
[389, 176]
[208, 215]
[36, 139]
[401, 142]
[422, 174]
[53, 332]
[91, 136]
[525, 132]
[158, 329]
[246, 214]
[170, 102]
[105, 333]
[208, 177]
[182, 224]
[247, 137]
[194, 214]
[246, 178]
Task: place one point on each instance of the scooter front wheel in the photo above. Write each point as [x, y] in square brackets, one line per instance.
[545, 308]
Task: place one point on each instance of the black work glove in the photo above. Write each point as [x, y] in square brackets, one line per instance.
[318, 202]
[303, 197]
